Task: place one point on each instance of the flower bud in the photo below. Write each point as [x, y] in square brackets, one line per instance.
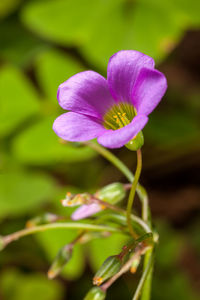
[60, 261]
[136, 143]
[112, 193]
[96, 293]
[75, 200]
[43, 219]
[135, 264]
[109, 268]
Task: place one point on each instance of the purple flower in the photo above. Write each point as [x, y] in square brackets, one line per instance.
[85, 211]
[114, 110]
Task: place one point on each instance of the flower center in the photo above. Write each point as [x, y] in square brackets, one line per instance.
[119, 115]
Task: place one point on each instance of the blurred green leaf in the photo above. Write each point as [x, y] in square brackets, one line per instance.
[18, 99]
[21, 192]
[8, 6]
[153, 27]
[39, 144]
[19, 286]
[65, 22]
[18, 45]
[169, 247]
[53, 241]
[176, 286]
[172, 128]
[54, 67]
[100, 249]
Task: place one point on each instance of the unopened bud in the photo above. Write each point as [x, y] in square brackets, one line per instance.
[43, 219]
[60, 261]
[112, 193]
[75, 200]
[109, 268]
[96, 293]
[135, 264]
[136, 143]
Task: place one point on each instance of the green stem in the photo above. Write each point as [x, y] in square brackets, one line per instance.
[142, 196]
[133, 190]
[143, 279]
[123, 168]
[5, 240]
[146, 291]
[112, 158]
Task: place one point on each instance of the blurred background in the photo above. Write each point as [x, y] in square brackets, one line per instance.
[42, 43]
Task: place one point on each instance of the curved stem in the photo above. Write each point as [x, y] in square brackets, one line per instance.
[133, 190]
[124, 169]
[112, 158]
[5, 240]
[143, 279]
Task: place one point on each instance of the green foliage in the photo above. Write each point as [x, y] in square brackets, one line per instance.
[39, 145]
[22, 192]
[54, 67]
[18, 101]
[8, 6]
[20, 286]
[53, 241]
[152, 26]
[100, 249]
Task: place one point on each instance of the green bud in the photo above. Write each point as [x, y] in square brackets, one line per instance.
[60, 261]
[75, 200]
[135, 264]
[136, 143]
[109, 268]
[43, 219]
[96, 293]
[112, 193]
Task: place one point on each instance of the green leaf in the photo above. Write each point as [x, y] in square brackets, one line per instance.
[65, 22]
[166, 129]
[18, 100]
[8, 6]
[39, 144]
[21, 192]
[16, 285]
[102, 28]
[100, 249]
[54, 67]
[18, 46]
[53, 241]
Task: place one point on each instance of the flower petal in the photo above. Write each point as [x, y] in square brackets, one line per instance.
[123, 68]
[87, 93]
[85, 211]
[118, 138]
[149, 88]
[76, 128]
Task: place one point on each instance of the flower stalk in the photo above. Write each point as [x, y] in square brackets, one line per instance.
[5, 240]
[133, 190]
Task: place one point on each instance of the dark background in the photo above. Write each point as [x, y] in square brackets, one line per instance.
[42, 43]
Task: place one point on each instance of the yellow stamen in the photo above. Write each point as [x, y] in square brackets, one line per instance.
[97, 280]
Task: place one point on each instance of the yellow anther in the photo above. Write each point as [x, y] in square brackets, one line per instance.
[115, 116]
[69, 194]
[103, 206]
[123, 114]
[119, 113]
[133, 270]
[97, 280]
